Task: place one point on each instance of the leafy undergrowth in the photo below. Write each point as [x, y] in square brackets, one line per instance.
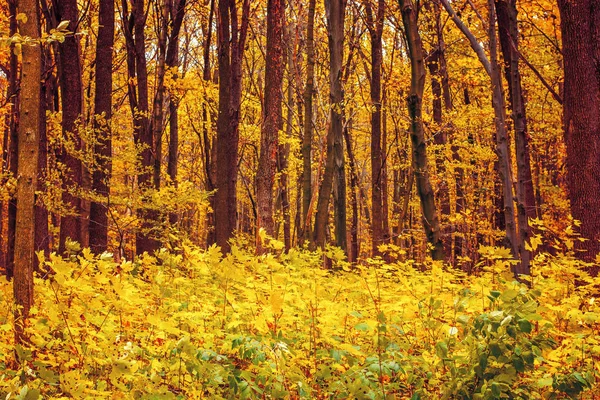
[195, 325]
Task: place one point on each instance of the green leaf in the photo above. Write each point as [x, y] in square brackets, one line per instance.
[524, 325]
[362, 327]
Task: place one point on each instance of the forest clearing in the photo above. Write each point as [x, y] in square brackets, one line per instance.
[332, 199]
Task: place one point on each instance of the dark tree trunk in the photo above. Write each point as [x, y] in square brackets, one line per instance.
[580, 27]
[48, 90]
[525, 195]
[231, 42]
[430, 218]
[354, 249]
[72, 106]
[375, 26]
[103, 113]
[209, 150]
[305, 226]
[28, 149]
[269, 138]
[177, 11]
[11, 139]
[334, 166]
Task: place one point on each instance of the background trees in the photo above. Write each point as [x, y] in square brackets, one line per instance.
[169, 133]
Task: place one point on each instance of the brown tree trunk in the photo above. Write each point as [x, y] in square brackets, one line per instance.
[269, 138]
[11, 139]
[103, 112]
[375, 26]
[424, 189]
[354, 249]
[177, 12]
[305, 226]
[231, 42]
[72, 106]
[48, 90]
[209, 150]
[580, 27]
[28, 149]
[525, 195]
[334, 167]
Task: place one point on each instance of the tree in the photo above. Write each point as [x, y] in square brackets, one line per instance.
[72, 106]
[269, 137]
[307, 133]
[580, 27]
[334, 165]
[103, 113]
[375, 26]
[28, 149]
[509, 38]
[231, 39]
[430, 218]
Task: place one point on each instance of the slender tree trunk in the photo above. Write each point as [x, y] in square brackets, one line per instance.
[269, 138]
[11, 157]
[503, 147]
[424, 189]
[28, 148]
[525, 195]
[354, 249]
[72, 106]
[48, 89]
[334, 167]
[103, 113]
[209, 157]
[375, 26]
[307, 194]
[177, 11]
[580, 27]
[231, 42]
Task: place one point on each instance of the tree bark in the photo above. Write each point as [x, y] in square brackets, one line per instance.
[177, 12]
[72, 106]
[28, 149]
[231, 40]
[334, 167]
[309, 89]
[103, 113]
[429, 213]
[269, 138]
[375, 26]
[580, 27]
[11, 143]
[525, 195]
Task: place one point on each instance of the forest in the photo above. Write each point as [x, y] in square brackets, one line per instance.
[319, 199]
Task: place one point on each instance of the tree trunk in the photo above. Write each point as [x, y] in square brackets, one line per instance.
[103, 113]
[11, 139]
[375, 26]
[334, 167]
[28, 149]
[209, 150]
[48, 90]
[580, 27]
[424, 189]
[231, 41]
[307, 194]
[269, 138]
[72, 106]
[354, 249]
[525, 195]
[177, 12]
